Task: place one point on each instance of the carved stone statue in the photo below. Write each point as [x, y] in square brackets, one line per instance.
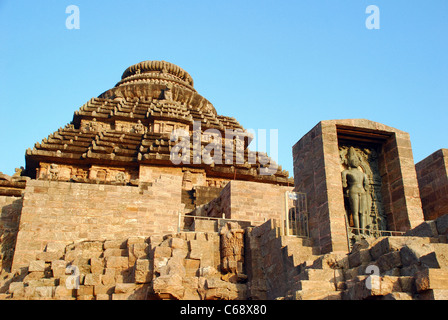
[120, 177]
[139, 127]
[167, 93]
[356, 184]
[18, 172]
[53, 171]
[232, 251]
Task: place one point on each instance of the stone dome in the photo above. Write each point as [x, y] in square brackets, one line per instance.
[155, 69]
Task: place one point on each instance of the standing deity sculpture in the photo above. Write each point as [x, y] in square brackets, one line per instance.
[356, 186]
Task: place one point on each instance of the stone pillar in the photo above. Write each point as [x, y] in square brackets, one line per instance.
[432, 175]
[317, 172]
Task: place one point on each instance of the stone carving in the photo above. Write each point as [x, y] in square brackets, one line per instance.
[232, 251]
[93, 125]
[356, 184]
[167, 93]
[362, 189]
[120, 177]
[18, 172]
[53, 171]
[139, 127]
[78, 174]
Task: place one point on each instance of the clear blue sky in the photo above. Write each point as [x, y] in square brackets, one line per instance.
[282, 65]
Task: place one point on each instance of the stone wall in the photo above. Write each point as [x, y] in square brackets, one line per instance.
[432, 175]
[56, 213]
[258, 202]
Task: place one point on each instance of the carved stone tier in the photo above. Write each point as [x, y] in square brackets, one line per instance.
[132, 125]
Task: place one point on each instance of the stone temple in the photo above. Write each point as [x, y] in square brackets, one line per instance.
[149, 194]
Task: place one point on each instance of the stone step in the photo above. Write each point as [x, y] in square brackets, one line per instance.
[317, 275]
[430, 279]
[312, 294]
[434, 294]
[300, 258]
[293, 240]
[315, 285]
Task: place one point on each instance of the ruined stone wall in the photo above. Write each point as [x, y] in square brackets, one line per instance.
[10, 208]
[432, 175]
[56, 213]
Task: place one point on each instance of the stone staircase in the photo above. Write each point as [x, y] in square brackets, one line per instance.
[406, 268]
[310, 274]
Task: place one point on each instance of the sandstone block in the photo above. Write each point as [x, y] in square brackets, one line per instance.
[139, 250]
[103, 289]
[385, 245]
[44, 292]
[195, 250]
[442, 225]
[169, 286]
[359, 257]
[114, 244]
[97, 265]
[92, 279]
[85, 291]
[162, 252]
[115, 252]
[143, 271]
[140, 294]
[50, 282]
[58, 267]
[177, 243]
[431, 279]
[434, 294]
[55, 247]
[37, 266]
[192, 267]
[48, 256]
[116, 262]
[108, 278]
[136, 240]
[425, 229]
[389, 261]
[125, 287]
[15, 287]
[62, 291]
[398, 296]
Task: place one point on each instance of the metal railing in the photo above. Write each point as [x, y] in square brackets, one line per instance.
[353, 232]
[374, 233]
[220, 222]
[296, 215]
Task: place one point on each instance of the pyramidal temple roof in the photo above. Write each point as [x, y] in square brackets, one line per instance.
[131, 124]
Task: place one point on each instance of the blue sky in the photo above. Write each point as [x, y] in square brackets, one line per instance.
[282, 65]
